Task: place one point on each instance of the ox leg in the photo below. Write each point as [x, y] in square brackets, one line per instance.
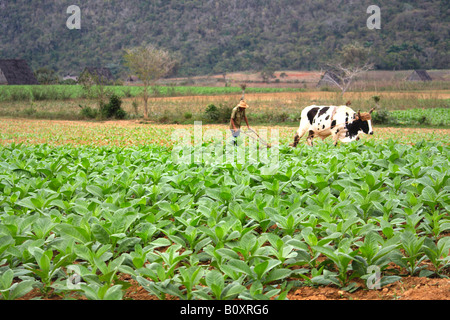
[338, 134]
[310, 138]
[296, 140]
[298, 135]
[335, 137]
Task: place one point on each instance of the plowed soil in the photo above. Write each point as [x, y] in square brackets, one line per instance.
[408, 288]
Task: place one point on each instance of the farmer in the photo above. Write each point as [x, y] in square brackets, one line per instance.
[237, 115]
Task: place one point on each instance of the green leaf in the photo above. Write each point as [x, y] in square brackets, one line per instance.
[100, 234]
[214, 279]
[44, 263]
[77, 233]
[127, 243]
[160, 242]
[21, 289]
[6, 279]
[278, 274]
[240, 266]
[429, 195]
[261, 268]
[385, 280]
[6, 242]
[28, 203]
[95, 191]
[225, 194]
[219, 232]
[227, 253]
[234, 289]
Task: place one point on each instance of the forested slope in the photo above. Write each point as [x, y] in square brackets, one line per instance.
[214, 36]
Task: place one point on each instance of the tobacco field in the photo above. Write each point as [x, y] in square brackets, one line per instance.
[78, 221]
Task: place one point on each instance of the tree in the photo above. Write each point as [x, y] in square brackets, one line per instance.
[46, 76]
[150, 64]
[351, 61]
[267, 73]
[93, 84]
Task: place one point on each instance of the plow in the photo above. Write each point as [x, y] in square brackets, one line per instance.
[257, 138]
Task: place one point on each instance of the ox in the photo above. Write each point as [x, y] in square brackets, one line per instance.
[341, 122]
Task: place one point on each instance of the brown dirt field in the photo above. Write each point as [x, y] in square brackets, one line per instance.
[302, 78]
[135, 132]
[408, 288]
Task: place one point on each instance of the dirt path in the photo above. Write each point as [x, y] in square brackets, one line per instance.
[408, 288]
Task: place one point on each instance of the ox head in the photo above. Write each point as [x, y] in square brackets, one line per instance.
[363, 122]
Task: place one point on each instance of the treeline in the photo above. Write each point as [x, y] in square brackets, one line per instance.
[219, 36]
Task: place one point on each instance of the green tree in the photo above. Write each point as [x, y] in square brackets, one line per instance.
[46, 76]
[150, 64]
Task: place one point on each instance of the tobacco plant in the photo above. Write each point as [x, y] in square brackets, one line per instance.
[322, 216]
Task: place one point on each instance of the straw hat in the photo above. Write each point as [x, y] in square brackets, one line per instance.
[242, 104]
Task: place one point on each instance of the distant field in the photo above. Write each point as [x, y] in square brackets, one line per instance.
[267, 105]
[380, 80]
[66, 92]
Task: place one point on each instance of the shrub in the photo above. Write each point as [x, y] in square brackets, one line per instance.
[283, 117]
[423, 120]
[212, 113]
[188, 115]
[30, 111]
[164, 119]
[219, 114]
[382, 116]
[113, 109]
[135, 107]
[88, 112]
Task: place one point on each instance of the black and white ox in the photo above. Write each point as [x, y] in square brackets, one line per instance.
[340, 122]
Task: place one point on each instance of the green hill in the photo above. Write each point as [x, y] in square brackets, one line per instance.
[215, 36]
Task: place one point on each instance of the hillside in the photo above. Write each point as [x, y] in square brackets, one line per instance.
[212, 36]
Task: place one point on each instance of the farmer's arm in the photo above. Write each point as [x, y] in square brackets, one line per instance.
[233, 114]
[232, 123]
